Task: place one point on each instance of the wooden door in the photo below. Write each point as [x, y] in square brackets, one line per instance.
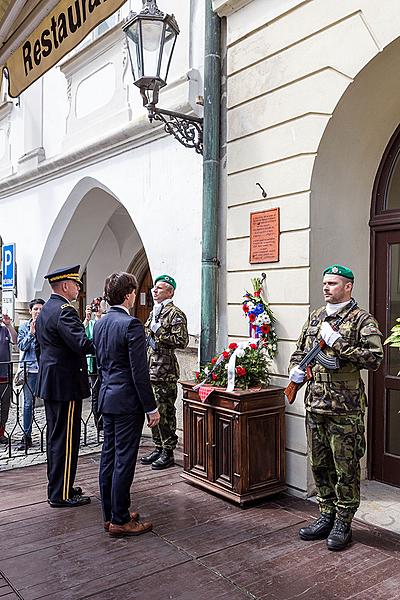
[222, 445]
[144, 299]
[385, 409]
[197, 443]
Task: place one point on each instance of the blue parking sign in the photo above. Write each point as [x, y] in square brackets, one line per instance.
[8, 266]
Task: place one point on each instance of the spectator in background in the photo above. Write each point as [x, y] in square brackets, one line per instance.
[8, 336]
[26, 345]
[98, 308]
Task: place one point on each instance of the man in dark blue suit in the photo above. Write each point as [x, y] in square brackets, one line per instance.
[125, 396]
[61, 346]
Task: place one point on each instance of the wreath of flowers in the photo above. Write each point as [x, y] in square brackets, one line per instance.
[260, 317]
[251, 366]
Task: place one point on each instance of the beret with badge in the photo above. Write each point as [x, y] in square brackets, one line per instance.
[167, 279]
[339, 270]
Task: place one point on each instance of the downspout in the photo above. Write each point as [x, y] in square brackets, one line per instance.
[211, 164]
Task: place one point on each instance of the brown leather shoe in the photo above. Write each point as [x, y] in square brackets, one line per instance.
[134, 517]
[131, 528]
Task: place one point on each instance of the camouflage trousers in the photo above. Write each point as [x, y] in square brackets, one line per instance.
[164, 436]
[336, 444]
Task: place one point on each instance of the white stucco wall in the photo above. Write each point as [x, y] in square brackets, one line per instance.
[92, 159]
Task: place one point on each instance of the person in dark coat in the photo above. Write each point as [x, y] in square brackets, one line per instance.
[125, 397]
[62, 345]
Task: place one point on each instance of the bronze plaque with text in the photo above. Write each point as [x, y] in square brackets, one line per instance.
[264, 236]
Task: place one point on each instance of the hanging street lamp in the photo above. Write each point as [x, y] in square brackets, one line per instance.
[151, 37]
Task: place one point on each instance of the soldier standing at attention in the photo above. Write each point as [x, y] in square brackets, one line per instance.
[62, 383]
[335, 403]
[166, 330]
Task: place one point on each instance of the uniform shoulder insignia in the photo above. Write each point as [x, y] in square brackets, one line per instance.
[370, 330]
[67, 306]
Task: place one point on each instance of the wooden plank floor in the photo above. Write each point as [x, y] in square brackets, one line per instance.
[201, 548]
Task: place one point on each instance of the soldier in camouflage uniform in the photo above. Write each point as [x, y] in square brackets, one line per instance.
[335, 403]
[166, 330]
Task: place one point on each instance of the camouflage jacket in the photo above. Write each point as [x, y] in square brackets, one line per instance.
[163, 365]
[360, 347]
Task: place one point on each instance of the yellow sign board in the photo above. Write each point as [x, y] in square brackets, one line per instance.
[63, 29]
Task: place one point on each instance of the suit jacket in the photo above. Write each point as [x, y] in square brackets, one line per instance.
[122, 364]
[61, 346]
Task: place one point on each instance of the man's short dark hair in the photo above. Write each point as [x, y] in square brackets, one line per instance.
[35, 301]
[118, 286]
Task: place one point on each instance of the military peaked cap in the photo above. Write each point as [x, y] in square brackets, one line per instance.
[65, 273]
[167, 279]
[339, 270]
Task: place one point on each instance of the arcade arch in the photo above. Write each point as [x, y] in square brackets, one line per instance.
[95, 230]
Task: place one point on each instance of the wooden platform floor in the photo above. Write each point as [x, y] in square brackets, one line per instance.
[202, 548]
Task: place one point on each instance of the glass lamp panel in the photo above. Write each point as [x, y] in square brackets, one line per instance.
[151, 38]
[168, 47]
[132, 35]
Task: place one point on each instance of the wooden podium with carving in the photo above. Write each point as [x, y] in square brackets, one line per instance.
[234, 443]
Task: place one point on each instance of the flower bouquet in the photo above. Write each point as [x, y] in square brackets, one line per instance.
[244, 365]
[260, 317]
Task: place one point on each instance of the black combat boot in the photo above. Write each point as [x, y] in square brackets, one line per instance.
[166, 460]
[318, 530]
[147, 459]
[340, 536]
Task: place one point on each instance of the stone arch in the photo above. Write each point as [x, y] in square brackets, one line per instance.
[348, 156]
[94, 229]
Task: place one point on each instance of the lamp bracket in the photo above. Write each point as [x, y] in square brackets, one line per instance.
[187, 129]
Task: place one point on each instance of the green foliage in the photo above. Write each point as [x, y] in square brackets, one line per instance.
[394, 338]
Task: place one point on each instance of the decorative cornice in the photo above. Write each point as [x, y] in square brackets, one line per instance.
[224, 8]
[132, 136]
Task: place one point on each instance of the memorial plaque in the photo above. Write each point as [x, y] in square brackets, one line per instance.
[264, 236]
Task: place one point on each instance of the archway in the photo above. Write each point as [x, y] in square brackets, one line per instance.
[342, 184]
[95, 230]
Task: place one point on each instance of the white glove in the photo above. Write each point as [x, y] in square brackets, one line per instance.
[328, 334]
[297, 375]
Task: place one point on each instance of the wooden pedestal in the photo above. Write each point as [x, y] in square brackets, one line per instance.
[234, 444]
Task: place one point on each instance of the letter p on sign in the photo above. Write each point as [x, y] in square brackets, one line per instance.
[8, 264]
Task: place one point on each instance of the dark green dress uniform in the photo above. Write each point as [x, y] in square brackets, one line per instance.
[62, 383]
[335, 404]
[164, 370]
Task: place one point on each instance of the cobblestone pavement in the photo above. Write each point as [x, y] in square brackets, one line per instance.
[11, 458]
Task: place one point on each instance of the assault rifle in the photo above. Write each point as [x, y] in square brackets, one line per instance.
[316, 354]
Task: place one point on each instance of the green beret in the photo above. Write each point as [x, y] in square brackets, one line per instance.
[339, 270]
[167, 279]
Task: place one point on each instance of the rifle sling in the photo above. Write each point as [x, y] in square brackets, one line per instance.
[335, 377]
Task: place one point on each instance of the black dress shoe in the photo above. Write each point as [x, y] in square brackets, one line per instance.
[147, 459]
[70, 502]
[165, 460]
[340, 536]
[318, 530]
[77, 491]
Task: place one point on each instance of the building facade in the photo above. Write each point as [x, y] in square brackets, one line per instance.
[86, 179]
[313, 115]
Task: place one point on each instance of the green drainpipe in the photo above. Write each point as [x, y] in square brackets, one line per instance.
[211, 161]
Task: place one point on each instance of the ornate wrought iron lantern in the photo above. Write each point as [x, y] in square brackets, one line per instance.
[151, 37]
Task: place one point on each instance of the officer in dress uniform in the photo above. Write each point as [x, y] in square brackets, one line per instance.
[62, 346]
[335, 403]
